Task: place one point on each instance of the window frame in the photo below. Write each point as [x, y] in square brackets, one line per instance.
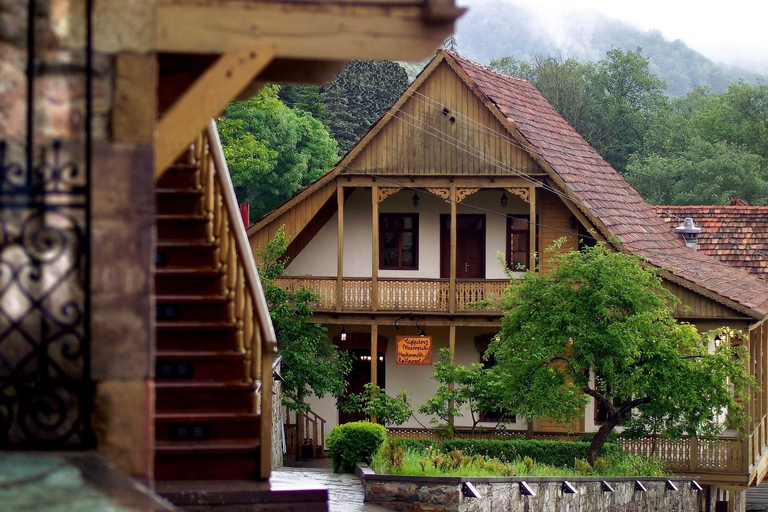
[399, 232]
[510, 231]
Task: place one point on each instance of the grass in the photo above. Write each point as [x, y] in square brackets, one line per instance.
[394, 460]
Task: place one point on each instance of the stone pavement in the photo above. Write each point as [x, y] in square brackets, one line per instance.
[345, 493]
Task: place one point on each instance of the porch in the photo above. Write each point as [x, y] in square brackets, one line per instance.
[394, 294]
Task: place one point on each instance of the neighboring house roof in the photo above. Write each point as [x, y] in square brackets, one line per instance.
[595, 187]
[736, 235]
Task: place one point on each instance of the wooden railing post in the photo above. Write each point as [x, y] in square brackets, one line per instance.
[375, 249]
[340, 250]
[693, 456]
[452, 264]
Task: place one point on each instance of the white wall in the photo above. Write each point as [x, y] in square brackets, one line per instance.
[319, 257]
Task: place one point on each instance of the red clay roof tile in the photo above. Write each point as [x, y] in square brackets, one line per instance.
[603, 192]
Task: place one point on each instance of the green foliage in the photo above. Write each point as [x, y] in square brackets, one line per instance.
[354, 442]
[601, 313]
[476, 387]
[375, 402]
[434, 460]
[353, 100]
[358, 96]
[312, 365]
[273, 151]
[554, 453]
[706, 149]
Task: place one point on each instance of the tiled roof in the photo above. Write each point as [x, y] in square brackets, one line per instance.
[603, 193]
[736, 235]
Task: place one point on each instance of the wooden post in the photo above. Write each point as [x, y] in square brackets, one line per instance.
[374, 358]
[452, 348]
[694, 454]
[340, 250]
[452, 274]
[375, 249]
[532, 226]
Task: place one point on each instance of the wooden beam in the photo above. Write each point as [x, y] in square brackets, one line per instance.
[438, 181]
[374, 358]
[340, 250]
[452, 348]
[209, 95]
[302, 30]
[452, 255]
[301, 71]
[375, 248]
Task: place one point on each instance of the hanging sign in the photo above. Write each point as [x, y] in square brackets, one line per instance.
[414, 350]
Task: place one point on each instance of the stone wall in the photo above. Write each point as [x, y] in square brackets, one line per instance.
[445, 494]
[277, 425]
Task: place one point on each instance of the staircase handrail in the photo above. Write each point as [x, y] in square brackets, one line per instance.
[241, 239]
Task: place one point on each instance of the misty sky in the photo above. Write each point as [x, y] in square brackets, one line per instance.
[733, 32]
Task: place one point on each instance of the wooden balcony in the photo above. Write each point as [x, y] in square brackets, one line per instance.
[423, 295]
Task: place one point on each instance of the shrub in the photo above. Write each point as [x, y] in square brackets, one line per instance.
[393, 454]
[553, 453]
[354, 442]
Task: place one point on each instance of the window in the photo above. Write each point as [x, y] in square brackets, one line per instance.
[518, 242]
[399, 241]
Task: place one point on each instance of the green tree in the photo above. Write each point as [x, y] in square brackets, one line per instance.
[701, 173]
[374, 402]
[273, 151]
[476, 387]
[623, 97]
[313, 365]
[601, 313]
[359, 95]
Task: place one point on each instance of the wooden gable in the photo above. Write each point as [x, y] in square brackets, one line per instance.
[440, 127]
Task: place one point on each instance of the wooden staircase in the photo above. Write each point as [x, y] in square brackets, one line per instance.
[210, 339]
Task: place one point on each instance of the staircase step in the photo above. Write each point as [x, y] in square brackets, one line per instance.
[196, 336]
[188, 281]
[181, 227]
[174, 201]
[191, 307]
[190, 395]
[179, 175]
[207, 460]
[185, 253]
[216, 425]
[202, 365]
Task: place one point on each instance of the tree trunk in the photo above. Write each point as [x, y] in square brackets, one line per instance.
[596, 447]
[299, 433]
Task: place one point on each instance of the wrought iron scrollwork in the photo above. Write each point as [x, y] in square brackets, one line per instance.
[45, 391]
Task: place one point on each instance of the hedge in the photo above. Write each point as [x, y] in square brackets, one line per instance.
[555, 453]
[354, 442]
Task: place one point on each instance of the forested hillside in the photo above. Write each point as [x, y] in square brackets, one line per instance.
[492, 30]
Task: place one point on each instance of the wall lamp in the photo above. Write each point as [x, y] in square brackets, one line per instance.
[526, 490]
[504, 200]
[343, 335]
[568, 488]
[606, 486]
[415, 199]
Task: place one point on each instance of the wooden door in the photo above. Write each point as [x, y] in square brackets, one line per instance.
[470, 246]
[359, 377]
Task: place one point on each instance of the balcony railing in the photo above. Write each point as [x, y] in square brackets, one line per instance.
[400, 294]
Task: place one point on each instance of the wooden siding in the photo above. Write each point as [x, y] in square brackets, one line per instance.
[554, 221]
[296, 218]
[420, 140]
[698, 305]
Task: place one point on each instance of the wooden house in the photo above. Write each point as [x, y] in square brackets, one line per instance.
[132, 320]
[467, 169]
